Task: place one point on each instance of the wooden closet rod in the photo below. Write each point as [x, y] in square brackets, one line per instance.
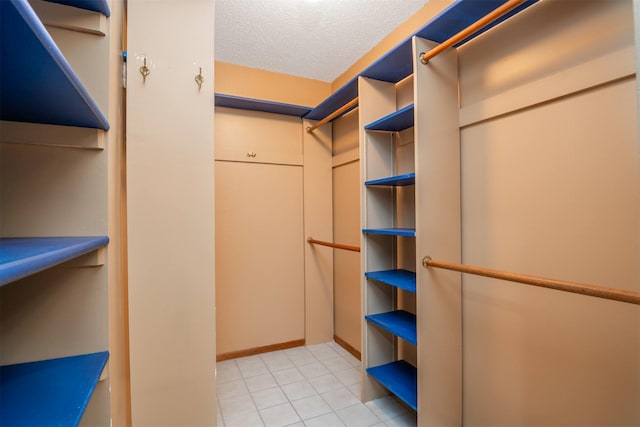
[476, 26]
[560, 285]
[346, 107]
[333, 245]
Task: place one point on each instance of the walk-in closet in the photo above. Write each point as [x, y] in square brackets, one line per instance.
[216, 213]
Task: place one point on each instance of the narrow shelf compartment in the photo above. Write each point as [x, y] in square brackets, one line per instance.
[408, 232]
[22, 257]
[399, 322]
[394, 181]
[394, 122]
[49, 392]
[400, 378]
[37, 84]
[100, 6]
[402, 279]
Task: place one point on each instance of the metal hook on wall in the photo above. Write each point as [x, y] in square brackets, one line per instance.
[144, 70]
[199, 78]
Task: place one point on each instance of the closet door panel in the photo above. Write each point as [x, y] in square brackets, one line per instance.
[259, 255]
[346, 276]
[254, 136]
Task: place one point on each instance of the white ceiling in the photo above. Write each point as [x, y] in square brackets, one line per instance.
[317, 39]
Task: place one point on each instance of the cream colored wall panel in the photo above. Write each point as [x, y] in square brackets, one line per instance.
[259, 254]
[552, 190]
[170, 206]
[94, 74]
[404, 95]
[44, 134]
[563, 201]
[318, 223]
[439, 309]
[502, 61]
[57, 313]
[70, 18]
[345, 133]
[52, 191]
[347, 275]
[254, 136]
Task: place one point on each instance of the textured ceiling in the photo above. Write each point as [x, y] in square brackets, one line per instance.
[317, 39]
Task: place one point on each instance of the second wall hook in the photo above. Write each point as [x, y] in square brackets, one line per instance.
[144, 70]
[199, 78]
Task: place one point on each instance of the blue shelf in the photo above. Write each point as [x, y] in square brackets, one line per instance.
[100, 6]
[37, 84]
[394, 122]
[394, 181]
[408, 232]
[400, 378]
[51, 392]
[397, 64]
[22, 257]
[231, 101]
[339, 98]
[399, 322]
[402, 279]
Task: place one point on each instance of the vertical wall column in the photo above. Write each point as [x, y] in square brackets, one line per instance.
[170, 202]
[439, 307]
[318, 223]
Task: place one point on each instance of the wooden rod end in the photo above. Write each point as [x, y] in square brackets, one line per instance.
[425, 261]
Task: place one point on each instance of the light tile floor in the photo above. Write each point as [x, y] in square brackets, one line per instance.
[312, 386]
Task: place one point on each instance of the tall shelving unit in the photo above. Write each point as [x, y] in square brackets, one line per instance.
[388, 242]
[410, 205]
[53, 194]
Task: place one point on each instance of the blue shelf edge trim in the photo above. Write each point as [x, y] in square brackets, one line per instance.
[100, 6]
[403, 279]
[52, 392]
[408, 232]
[400, 378]
[397, 63]
[396, 181]
[231, 101]
[37, 84]
[394, 122]
[22, 257]
[399, 322]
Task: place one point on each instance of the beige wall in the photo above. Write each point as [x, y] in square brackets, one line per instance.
[248, 82]
[551, 187]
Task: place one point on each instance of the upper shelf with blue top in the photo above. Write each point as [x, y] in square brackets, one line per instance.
[37, 84]
[22, 257]
[100, 6]
[397, 64]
